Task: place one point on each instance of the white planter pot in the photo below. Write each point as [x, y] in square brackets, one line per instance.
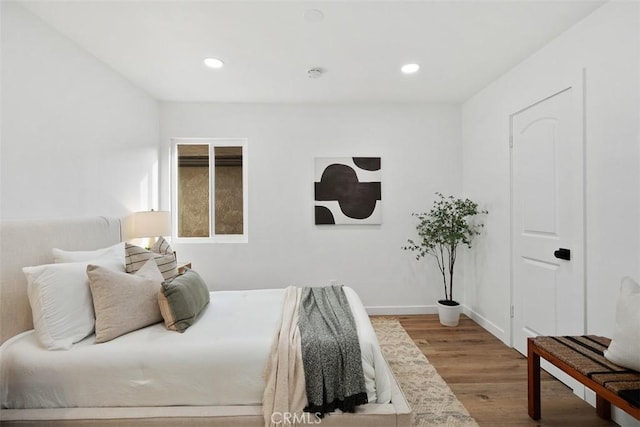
[449, 314]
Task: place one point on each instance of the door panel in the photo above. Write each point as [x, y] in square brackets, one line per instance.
[538, 319]
[537, 153]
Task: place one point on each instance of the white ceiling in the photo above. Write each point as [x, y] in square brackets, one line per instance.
[268, 46]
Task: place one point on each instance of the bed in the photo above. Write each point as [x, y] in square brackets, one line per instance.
[231, 390]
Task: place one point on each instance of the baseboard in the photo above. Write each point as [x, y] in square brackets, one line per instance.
[622, 418]
[486, 324]
[389, 310]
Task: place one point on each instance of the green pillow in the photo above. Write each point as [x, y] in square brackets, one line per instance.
[182, 299]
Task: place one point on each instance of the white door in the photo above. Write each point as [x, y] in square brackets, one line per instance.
[548, 218]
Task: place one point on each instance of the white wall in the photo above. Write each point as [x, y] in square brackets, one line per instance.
[606, 44]
[420, 150]
[77, 138]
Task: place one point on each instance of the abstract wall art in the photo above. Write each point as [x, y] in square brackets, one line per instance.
[348, 190]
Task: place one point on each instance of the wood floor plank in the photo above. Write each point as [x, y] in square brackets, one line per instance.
[490, 379]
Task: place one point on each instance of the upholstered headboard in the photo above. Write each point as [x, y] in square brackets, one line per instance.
[27, 243]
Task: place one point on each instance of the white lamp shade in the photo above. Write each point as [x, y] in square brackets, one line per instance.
[151, 224]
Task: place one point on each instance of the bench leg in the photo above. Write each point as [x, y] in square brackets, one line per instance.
[533, 381]
[603, 408]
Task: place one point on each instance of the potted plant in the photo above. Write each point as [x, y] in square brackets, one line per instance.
[441, 230]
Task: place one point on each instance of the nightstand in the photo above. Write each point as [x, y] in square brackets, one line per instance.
[182, 266]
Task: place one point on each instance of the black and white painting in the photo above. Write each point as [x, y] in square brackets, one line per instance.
[348, 190]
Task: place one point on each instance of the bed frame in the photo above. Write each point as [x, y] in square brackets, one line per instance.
[27, 243]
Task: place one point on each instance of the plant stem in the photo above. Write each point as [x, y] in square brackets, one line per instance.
[452, 261]
[441, 266]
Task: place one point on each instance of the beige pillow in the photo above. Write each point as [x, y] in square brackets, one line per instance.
[165, 258]
[124, 302]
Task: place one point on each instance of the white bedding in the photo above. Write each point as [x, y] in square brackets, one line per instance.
[217, 361]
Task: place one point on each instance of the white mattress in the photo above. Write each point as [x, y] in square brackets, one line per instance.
[217, 361]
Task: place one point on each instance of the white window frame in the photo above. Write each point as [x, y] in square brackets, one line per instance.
[212, 143]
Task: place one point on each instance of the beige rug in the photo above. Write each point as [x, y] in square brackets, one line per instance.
[430, 398]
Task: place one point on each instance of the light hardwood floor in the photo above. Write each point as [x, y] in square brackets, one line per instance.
[490, 379]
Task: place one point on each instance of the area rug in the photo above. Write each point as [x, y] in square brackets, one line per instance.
[432, 401]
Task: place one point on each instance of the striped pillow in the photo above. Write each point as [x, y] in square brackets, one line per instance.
[135, 258]
[161, 246]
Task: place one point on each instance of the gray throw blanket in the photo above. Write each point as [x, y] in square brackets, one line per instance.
[330, 351]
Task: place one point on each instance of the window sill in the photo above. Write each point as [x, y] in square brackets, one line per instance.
[216, 239]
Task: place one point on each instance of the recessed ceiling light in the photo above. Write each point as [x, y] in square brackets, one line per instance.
[213, 63]
[410, 68]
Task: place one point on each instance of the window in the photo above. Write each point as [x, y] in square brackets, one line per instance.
[210, 197]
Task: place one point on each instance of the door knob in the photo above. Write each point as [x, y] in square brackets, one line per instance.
[563, 253]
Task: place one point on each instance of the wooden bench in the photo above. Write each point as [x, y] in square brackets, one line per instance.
[582, 358]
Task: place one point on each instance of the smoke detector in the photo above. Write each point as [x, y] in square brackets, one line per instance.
[315, 73]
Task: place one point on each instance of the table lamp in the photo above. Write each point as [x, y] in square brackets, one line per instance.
[151, 224]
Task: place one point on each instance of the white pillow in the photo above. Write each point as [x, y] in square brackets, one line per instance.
[624, 349]
[61, 302]
[115, 252]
